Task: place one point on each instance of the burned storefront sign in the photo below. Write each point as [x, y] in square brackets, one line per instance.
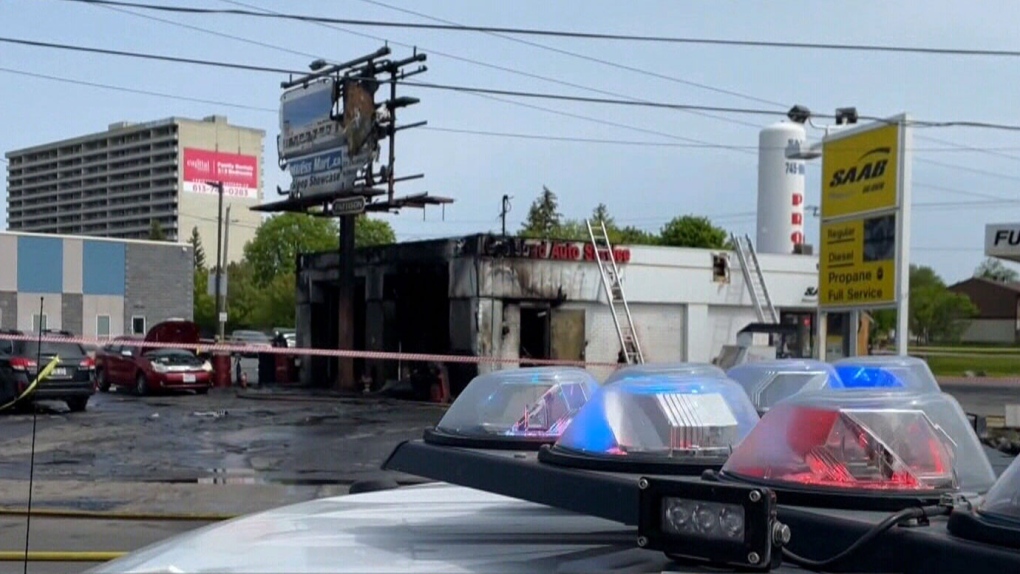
[548, 249]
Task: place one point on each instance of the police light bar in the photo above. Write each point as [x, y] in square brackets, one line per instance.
[864, 444]
[652, 369]
[515, 408]
[670, 424]
[710, 523]
[996, 520]
[768, 382]
[885, 372]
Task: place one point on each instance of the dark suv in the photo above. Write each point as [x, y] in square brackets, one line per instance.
[72, 379]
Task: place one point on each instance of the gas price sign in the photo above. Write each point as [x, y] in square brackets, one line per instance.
[865, 199]
[859, 262]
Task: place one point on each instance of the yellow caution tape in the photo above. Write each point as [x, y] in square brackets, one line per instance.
[49, 556]
[43, 374]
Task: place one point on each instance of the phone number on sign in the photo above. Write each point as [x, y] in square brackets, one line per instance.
[228, 191]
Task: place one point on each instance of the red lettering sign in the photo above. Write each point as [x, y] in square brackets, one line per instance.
[797, 218]
[571, 251]
[238, 173]
[797, 237]
[798, 199]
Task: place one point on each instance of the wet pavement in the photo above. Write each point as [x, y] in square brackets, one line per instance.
[315, 446]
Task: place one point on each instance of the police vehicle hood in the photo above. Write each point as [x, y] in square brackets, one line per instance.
[434, 528]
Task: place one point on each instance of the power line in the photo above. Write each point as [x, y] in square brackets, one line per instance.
[970, 169]
[487, 91]
[141, 55]
[565, 33]
[431, 52]
[967, 147]
[586, 57]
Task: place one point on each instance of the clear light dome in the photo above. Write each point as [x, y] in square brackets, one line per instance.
[651, 369]
[526, 404]
[865, 441]
[1003, 499]
[886, 371]
[768, 382]
[666, 417]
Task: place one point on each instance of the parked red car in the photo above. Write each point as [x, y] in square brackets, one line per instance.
[123, 363]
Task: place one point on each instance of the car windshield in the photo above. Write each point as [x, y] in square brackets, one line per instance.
[173, 353]
[251, 336]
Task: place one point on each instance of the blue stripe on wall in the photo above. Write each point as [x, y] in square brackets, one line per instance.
[103, 268]
[40, 265]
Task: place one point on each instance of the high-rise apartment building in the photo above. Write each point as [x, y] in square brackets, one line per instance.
[116, 183]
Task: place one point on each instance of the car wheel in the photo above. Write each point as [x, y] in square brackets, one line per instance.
[77, 404]
[104, 383]
[141, 385]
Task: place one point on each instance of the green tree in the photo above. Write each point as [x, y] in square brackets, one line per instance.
[275, 304]
[936, 314]
[204, 306]
[619, 235]
[156, 232]
[544, 219]
[601, 213]
[196, 247]
[278, 241]
[693, 231]
[369, 232]
[994, 270]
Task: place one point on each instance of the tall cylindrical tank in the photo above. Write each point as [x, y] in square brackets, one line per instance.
[780, 189]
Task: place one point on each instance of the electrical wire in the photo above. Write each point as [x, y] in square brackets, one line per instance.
[588, 58]
[561, 33]
[489, 91]
[145, 56]
[876, 531]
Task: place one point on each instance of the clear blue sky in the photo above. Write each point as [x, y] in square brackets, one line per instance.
[643, 186]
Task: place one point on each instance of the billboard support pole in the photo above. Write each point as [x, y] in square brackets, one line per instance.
[903, 239]
[345, 304]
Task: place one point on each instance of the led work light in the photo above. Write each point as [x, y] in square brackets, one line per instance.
[711, 523]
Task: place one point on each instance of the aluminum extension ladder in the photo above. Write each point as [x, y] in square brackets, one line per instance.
[614, 292]
[755, 280]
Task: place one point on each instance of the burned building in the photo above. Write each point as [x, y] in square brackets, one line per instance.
[510, 298]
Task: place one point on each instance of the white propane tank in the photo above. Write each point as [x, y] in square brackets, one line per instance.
[780, 190]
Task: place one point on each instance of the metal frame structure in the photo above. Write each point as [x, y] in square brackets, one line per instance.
[365, 69]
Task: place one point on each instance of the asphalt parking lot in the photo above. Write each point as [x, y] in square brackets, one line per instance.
[218, 454]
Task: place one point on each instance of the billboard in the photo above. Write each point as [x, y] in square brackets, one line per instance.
[239, 173]
[326, 172]
[305, 123]
[863, 259]
[327, 156]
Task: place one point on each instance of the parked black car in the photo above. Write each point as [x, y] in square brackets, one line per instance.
[72, 380]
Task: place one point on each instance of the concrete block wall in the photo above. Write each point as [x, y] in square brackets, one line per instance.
[81, 280]
[159, 283]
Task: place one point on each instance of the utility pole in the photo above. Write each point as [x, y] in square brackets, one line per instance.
[226, 258]
[505, 209]
[219, 258]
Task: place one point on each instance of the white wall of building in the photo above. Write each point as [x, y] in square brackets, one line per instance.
[200, 210]
[990, 331]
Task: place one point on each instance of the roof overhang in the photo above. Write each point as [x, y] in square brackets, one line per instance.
[1002, 241]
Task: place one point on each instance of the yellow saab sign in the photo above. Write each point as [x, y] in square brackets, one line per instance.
[858, 263]
[859, 171]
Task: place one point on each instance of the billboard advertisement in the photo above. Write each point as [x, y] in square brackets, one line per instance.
[239, 173]
[328, 172]
[305, 124]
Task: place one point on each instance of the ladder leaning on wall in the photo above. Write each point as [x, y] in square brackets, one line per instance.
[754, 279]
[614, 292]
